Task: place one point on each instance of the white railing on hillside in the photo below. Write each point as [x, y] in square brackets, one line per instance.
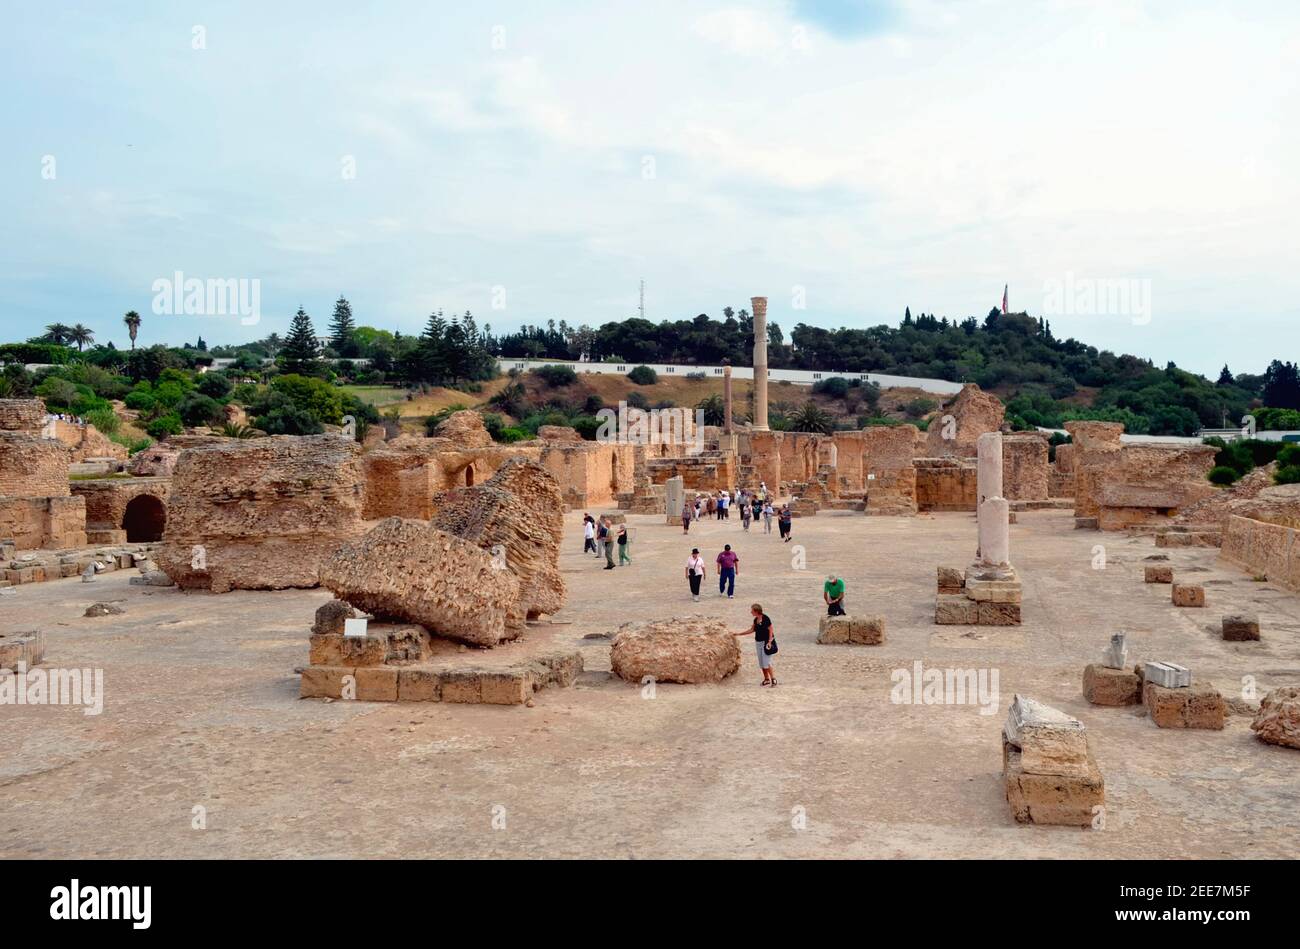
[802, 377]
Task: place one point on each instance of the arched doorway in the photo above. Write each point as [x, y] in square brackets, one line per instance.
[144, 519]
[469, 476]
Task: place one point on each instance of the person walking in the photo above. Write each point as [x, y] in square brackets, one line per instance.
[764, 640]
[746, 514]
[728, 567]
[833, 594]
[589, 535]
[711, 507]
[605, 539]
[687, 512]
[784, 522]
[695, 572]
[623, 541]
[767, 517]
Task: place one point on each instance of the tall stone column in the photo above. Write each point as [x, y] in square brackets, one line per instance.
[726, 399]
[759, 305]
[988, 474]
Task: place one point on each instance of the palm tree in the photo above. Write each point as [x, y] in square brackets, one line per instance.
[813, 418]
[132, 321]
[81, 335]
[57, 333]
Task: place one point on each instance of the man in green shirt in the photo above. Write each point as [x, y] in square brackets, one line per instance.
[833, 594]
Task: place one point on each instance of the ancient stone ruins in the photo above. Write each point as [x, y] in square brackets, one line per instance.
[446, 569]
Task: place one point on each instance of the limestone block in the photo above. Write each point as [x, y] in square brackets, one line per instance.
[993, 591]
[418, 685]
[1069, 800]
[1278, 719]
[998, 614]
[1106, 686]
[323, 681]
[1188, 594]
[1049, 741]
[860, 630]
[688, 649]
[955, 610]
[1241, 627]
[951, 580]
[377, 684]
[1160, 573]
[1168, 674]
[1196, 706]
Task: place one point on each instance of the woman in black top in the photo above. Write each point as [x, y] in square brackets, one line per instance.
[763, 634]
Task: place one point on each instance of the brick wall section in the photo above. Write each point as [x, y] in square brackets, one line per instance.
[106, 500]
[22, 415]
[32, 467]
[1262, 548]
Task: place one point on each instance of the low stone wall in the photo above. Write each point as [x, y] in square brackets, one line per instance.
[945, 484]
[114, 504]
[1025, 472]
[1259, 547]
[32, 467]
[22, 415]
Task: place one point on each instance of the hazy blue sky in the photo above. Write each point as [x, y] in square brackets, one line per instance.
[549, 156]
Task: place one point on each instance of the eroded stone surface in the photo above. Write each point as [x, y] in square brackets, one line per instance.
[1278, 719]
[690, 649]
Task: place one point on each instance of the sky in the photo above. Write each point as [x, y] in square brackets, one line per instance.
[1125, 168]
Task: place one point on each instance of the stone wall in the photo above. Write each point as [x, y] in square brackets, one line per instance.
[1025, 474]
[86, 441]
[1061, 477]
[1097, 445]
[109, 501]
[32, 467]
[945, 484]
[22, 415]
[974, 413]
[49, 522]
[1263, 549]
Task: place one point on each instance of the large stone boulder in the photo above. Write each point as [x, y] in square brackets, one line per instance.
[411, 571]
[156, 461]
[260, 513]
[517, 514]
[1278, 719]
[690, 649]
[974, 413]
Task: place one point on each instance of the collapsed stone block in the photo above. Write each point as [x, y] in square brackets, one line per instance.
[861, 630]
[997, 614]
[1188, 594]
[1049, 741]
[1198, 705]
[689, 649]
[26, 647]
[1278, 719]
[330, 618]
[1160, 573]
[1111, 687]
[324, 682]
[1241, 627]
[408, 570]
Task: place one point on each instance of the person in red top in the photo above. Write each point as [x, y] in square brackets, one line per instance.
[728, 567]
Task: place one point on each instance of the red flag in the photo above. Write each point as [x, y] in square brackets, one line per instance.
[1004, 299]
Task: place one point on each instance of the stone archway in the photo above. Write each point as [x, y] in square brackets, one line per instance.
[469, 476]
[144, 519]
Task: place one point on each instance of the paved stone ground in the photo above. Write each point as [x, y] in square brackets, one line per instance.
[202, 710]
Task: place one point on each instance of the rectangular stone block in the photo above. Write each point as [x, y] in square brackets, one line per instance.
[505, 688]
[998, 614]
[1103, 686]
[1087, 524]
[463, 687]
[323, 681]
[1188, 594]
[951, 580]
[855, 630]
[377, 683]
[418, 685]
[1054, 799]
[1161, 573]
[993, 591]
[332, 649]
[1241, 627]
[1196, 706]
[955, 610]
[68, 570]
[1168, 674]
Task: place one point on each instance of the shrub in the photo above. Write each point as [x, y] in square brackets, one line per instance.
[512, 434]
[643, 376]
[837, 387]
[1288, 455]
[316, 397]
[104, 419]
[59, 394]
[918, 407]
[637, 400]
[1287, 474]
[556, 376]
[165, 425]
[140, 400]
[288, 420]
[696, 376]
[43, 353]
[1222, 474]
[587, 426]
[215, 385]
[197, 409]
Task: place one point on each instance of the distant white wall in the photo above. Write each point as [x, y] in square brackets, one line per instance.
[801, 377]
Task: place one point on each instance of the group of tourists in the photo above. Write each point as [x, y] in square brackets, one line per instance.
[599, 537]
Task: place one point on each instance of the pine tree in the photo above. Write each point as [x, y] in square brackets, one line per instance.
[300, 347]
[1226, 377]
[342, 330]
